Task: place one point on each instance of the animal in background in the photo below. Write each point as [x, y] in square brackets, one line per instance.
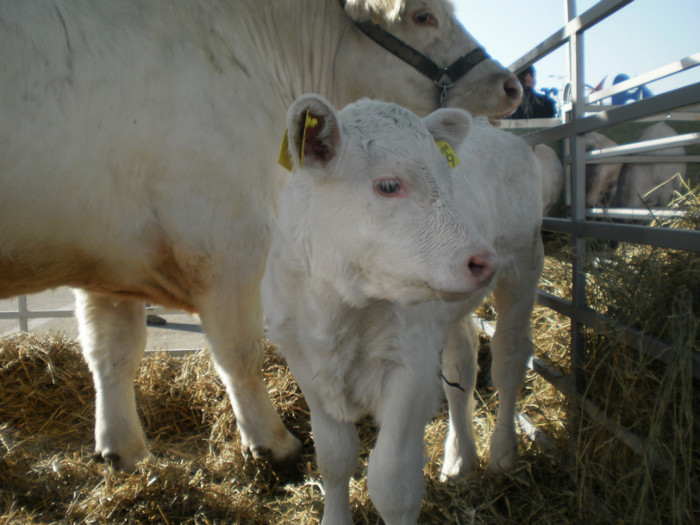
[601, 179]
[651, 184]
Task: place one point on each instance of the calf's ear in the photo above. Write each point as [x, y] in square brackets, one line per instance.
[449, 124]
[313, 136]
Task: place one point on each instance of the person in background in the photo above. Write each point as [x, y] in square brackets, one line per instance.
[534, 104]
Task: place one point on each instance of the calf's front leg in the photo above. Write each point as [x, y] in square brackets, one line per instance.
[337, 448]
[511, 348]
[395, 469]
[459, 369]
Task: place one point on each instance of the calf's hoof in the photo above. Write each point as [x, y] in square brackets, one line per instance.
[503, 451]
[458, 467]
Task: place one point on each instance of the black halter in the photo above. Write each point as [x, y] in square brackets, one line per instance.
[423, 64]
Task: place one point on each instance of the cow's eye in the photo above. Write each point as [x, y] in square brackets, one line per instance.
[387, 187]
[424, 18]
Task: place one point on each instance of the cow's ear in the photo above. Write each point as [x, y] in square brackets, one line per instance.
[313, 133]
[371, 10]
[449, 125]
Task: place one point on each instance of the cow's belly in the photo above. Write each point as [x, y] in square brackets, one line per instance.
[160, 277]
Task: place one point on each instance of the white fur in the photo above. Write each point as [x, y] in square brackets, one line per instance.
[552, 176]
[601, 179]
[353, 280]
[138, 147]
[651, 184]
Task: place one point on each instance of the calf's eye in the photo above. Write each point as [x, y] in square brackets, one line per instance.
[387, 187]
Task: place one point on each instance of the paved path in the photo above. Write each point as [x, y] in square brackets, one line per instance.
[181, 332]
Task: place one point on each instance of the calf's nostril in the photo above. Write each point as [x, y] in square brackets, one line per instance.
[479, 267]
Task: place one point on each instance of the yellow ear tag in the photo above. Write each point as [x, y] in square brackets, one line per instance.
[284, 159]
[310, 122]
[448, 152]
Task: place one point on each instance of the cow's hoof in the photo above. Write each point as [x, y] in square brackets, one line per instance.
[110, 459]
[116, 462]
[287, 469]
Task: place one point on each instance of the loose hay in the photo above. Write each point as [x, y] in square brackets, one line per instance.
[47, 474]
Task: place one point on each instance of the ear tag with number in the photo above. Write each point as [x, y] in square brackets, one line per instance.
[284, 159]
[448, 152]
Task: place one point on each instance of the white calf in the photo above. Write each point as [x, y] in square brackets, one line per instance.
[380, 253]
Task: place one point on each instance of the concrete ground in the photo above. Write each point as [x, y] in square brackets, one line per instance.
[182, 331]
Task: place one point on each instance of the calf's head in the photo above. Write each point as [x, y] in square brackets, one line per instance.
[370, 201]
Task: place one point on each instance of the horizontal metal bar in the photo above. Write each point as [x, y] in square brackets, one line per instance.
[681, 97]
[643, 159]
[670, 238]
[635, 213]
[644, 146]
[39, 314]
[656, 74]
[637, 339]
[527, 123]
[175, 352]
[591, 17]
[687, 113]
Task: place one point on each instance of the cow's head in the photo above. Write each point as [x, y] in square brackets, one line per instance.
[371, 201]
[474, 82]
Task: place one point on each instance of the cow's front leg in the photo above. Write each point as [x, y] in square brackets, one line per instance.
[459, 368]
[113, 338]
[395, 469]
[232, 319]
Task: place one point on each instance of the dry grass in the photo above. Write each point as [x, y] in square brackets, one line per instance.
[47, 474]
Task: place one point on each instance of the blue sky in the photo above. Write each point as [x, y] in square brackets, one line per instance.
[638, 38]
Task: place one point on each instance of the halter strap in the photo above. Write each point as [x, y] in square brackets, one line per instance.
[419, 61]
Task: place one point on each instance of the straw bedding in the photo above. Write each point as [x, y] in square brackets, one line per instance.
[584, 475]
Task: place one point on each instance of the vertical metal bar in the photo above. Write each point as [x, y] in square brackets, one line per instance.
[578, 209]
[22, 312]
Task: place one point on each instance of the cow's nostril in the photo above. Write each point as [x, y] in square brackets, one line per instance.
[513, 89]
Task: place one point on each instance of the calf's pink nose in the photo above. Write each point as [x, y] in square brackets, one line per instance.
[481, 267]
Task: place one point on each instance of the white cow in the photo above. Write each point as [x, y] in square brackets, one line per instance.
[651, 184]
[552, 176]
[380, 253]
[601, 179]
[138, 147]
